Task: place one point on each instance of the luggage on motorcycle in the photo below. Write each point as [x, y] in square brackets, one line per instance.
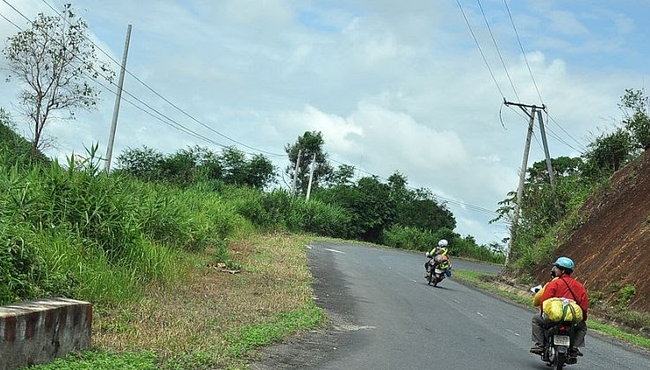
[562, 309]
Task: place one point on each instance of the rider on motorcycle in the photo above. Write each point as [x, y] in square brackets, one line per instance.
[439, 255]
[562, 286]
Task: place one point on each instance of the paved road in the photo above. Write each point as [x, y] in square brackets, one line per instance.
[389, 318]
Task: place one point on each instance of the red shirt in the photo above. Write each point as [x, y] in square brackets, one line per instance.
[560, 288]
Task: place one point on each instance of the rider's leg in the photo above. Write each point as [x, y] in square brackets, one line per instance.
[579, 337]
[538, 324]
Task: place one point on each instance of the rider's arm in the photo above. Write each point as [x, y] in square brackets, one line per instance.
[550, 291]
[537, 300]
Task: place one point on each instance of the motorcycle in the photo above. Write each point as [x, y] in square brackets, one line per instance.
[439, 268]
[558, 341]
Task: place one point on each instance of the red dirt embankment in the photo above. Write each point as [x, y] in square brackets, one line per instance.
[611, 247]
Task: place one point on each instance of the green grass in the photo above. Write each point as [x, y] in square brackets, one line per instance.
[613, 331]
[244, 339]
[101, 360]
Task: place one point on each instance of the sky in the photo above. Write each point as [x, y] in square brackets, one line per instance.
[412, 86]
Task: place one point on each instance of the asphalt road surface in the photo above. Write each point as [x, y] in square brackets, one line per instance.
[385, 316]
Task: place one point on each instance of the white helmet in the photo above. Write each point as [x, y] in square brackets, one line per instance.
[443, 243]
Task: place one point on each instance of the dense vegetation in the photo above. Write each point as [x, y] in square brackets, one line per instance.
[63, 224]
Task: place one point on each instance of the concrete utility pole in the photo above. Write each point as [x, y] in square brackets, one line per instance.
[524, 165]
[295, 173]
[118, 98]
[549, 165]
[311, 176]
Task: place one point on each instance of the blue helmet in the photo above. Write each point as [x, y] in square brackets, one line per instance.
[565, 263]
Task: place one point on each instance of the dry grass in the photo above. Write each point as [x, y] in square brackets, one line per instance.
[196, 314]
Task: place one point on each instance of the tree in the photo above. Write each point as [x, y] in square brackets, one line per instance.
[608, 153]
[195, 164]
[54, 60]
[308, 145]
[142, 163]
[261, 172]
[637, 122]
[562, 167]
[342, 176]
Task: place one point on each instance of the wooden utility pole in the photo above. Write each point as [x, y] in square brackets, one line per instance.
[524, 166]
[118, 98]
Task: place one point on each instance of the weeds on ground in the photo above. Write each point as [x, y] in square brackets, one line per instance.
[214, 318]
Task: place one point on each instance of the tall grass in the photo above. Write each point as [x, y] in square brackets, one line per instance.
[74, 231]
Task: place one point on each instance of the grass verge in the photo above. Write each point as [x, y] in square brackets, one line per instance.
[216, 318]
[524, 297]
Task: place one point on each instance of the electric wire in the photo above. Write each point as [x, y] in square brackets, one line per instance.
[496, 46]
[168, 121]
[479, 49]
[523, 53]
[167, 100]
[10, 21]
[486, 62]
[172, 123]
[581, 145]
[158, 115]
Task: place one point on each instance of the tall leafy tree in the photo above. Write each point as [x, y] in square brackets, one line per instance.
[261, 172]
[418, 208]
[54, 61]
[258, 172]
[342, 176]
[307, 147]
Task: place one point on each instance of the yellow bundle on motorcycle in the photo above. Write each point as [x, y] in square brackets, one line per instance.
[562, 309]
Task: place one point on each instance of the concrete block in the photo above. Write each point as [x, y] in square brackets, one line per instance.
[38, 331]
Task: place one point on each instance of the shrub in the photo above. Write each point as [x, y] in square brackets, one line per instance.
[319, 218]
[409, 238]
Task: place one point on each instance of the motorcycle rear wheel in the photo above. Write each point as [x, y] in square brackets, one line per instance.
[558, 364]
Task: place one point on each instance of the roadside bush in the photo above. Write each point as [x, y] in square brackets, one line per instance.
[319, 218]
[26, 272]
[409, 238]
[266, 210]
[626, 294]
[20, 265]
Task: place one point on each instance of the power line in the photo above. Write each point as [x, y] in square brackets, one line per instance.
[171, 123]
[161, 117]
[479, 49]
[497, 48]
[10, 21]
[487, 64]
[568, 134]
[167, 100]
[468, 206]
[523, 52]
[174, 124]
